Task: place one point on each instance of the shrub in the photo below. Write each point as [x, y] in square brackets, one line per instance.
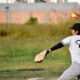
[32, 21]
[3, 33]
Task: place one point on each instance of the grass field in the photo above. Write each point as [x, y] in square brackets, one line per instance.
[20, 43]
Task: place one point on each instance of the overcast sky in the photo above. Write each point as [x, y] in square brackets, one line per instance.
[11, 1]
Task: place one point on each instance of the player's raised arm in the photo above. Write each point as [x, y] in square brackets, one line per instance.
[40, 57]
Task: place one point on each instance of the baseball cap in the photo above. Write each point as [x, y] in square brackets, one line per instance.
[76, 26]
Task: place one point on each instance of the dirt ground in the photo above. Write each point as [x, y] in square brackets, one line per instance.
[31, 79]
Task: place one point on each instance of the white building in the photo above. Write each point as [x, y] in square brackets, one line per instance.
[30, 1]
[7, 1]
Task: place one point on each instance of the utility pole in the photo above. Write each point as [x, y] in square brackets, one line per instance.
[65, 1]
[7, 12]
[7, 1]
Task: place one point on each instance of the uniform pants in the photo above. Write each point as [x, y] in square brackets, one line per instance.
[71, 72]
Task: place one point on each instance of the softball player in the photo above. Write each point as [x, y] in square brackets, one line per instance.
[74, 47]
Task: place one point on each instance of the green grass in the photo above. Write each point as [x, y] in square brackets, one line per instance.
[20, 43]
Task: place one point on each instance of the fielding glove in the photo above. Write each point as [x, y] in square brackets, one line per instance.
[40, 57]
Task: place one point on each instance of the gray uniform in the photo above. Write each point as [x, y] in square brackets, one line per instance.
[74, 47]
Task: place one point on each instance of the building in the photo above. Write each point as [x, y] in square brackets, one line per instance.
[45, 12]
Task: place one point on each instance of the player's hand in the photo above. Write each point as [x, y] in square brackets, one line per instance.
[40, 57]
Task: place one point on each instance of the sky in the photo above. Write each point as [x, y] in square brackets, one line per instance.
[12, 1]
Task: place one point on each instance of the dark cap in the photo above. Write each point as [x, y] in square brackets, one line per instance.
[76, 26]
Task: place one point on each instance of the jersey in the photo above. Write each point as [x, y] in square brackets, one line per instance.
[74, 47]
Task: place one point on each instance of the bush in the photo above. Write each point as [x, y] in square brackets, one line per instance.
[32, 21]
[3, 33]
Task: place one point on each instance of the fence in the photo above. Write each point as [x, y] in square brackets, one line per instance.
[44, 12]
